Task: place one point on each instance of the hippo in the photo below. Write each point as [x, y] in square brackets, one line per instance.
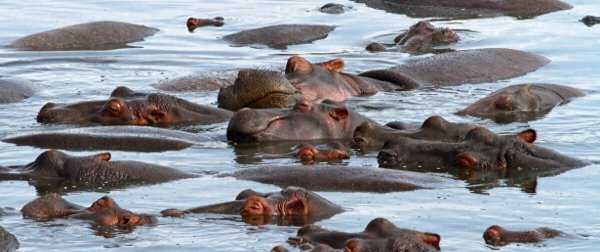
[8, 241]
[590, 20]
[280, 36]
[420, 37]
[125, 138]
[333, 8]
[104, 211]
[100, 35]
[481, 149]
[126, 106]
[91, 171]
[206, 81]
[498, 236]
[193, 23]
[465, 9]
[305, 121]
[310, 154]
[289, 202]
[379, 235]
[341, 178]
[15, 89]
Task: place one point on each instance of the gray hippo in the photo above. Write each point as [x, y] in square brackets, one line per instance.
[100, 35]
[280, 36]
[420, 37]
[15, 89]
[8, 241]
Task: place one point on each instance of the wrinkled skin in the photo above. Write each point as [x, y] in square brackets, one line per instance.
[590, 20]
[305, 121]
[379, 235]
[259, 88]
[101, 35]
[420, 37]
[103, 211]
[289, 202]
[434, 128]
[8, 242]
[91, 171]
[340, 178]
[193, 23]
[309, 154]
[523, 102]
[199, 81]
[333, 8]
[460, 67]
[126, 138]
[498, 236]
[280, 36]
[132, 108]
[480, 150]
[464, 9]
[15, 89]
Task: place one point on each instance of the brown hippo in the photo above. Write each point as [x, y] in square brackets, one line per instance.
[333, 8]
[291, 201]
[15, 89]
[341, 178]
[305, 121]
[463, 9]
[125, 138]
[128, 107]
[100, 35]
[498, 236]
[481, 149]
[103, 211]
[8, 241]
[522, 102]
[590, 20]
[379, 235]
[91, 171]
[193, 23]
[280, 36]
[310, 154]
[420, 37]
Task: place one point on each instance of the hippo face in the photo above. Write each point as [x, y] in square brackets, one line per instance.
[105, 211]
[292, 201]
[309, 154]
[54, 164]
[327, 120]
[424, 34]
[128, 107]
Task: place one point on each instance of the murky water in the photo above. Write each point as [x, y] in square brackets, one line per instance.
[567, 202]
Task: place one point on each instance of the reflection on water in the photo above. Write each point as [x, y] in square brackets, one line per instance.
[459, 214]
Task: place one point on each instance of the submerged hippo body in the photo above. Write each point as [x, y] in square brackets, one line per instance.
[199, 81]
[99, 35]
[280, 36]
[8, 241]
[289, 202]
[128, 107]
[457, 9]
[498, 236]
[419, 38]
[90, 171]
[15, 89]
[305, 121]
[379, 235]
[126, 138]
[521, 102]
[337, 178]
[104, 211]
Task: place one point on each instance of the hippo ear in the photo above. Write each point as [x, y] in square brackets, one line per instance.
[527, 135]
[334, 66]
[156, 116]
[298, 64]
[102, 203]
[296, 207]
[102, 157]
[339, 113]
[466, 160]
[115, 106]
[431, 239]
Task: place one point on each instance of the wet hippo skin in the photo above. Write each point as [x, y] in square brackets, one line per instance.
[100, 35]
[15, 89]
[498, 236]
[8, 241]
[280, 36]
[420, 37]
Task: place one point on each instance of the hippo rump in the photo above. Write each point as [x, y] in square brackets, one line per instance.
[464, 9]
[420, 37]
[100, 35]
[498, 236]
[305, 121]
[339, 178]
[379, 235]
[104, 211]
[292, 202]
[125, 138]
[84, 172]
[125, 106]
[280, 36]
[522, 102]
[8, 241]
[15, 89]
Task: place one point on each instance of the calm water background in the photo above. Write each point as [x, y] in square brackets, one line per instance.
[568, 202]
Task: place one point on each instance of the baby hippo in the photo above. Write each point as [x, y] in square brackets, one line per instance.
[498, 236]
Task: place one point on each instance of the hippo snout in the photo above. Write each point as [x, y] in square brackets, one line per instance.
[387, 157]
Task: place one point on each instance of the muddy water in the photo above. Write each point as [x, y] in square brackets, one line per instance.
[459, 214]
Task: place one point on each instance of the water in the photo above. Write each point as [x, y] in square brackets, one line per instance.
[566, 202]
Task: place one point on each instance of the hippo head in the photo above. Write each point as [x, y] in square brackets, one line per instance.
[310, 154]
[54, 164]
[292, 201]
[49, 206]
[306, 120]
[443, 36]
[105, 211]
[404, 241]
[420, 28]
